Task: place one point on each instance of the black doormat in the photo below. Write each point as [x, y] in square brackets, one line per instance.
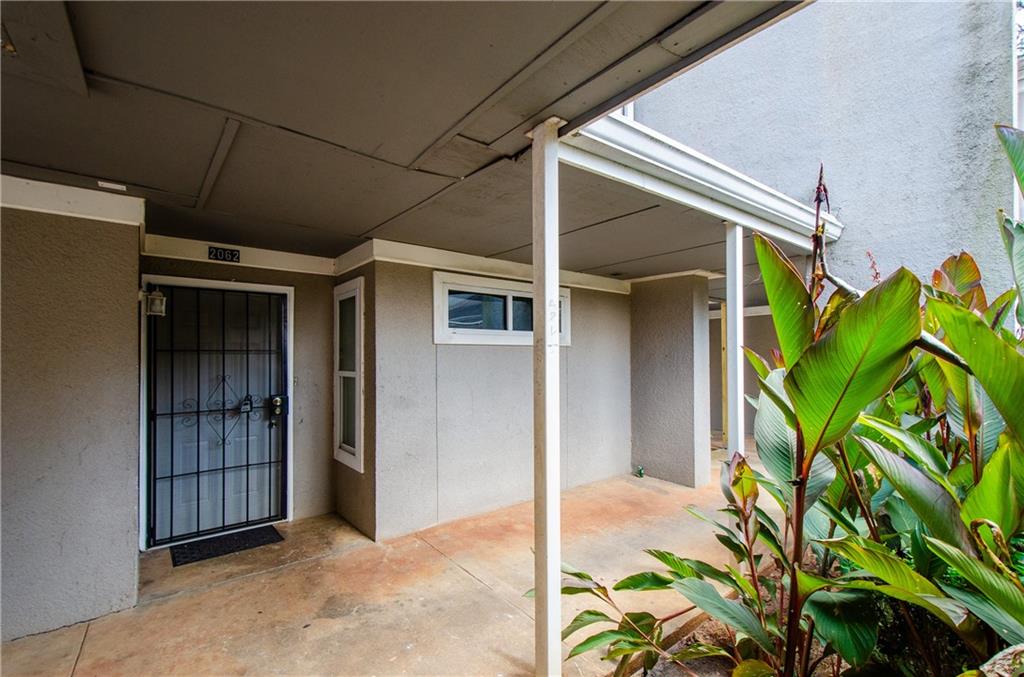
[197, 551]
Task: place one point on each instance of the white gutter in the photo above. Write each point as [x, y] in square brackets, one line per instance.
[629, 152]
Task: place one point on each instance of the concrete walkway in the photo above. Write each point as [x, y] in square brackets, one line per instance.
[444, 601]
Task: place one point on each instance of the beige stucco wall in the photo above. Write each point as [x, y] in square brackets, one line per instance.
[759, 336]
[70, 426]
[671, 433]
[312, 388]
[454, 422]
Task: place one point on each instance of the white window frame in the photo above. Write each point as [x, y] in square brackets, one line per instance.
[443, 334]
[350, 456]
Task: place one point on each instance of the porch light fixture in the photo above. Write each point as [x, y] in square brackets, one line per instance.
[156, 303]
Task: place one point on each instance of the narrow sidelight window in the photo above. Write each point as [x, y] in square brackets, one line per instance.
[348, 373]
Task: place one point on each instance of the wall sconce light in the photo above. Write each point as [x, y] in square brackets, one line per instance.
[156, 303]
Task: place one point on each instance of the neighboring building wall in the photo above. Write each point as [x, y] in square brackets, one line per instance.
[312, 386]
[671, 433]
[897, 99]
[759, 336]
[454, 422]
[70, 428]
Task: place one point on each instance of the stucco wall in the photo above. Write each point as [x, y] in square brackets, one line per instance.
[897, 99]
[454, 422]
[70, 420]
[759, 336]
[312, 403]
[670, 396]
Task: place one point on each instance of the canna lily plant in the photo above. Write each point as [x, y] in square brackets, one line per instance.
[890, 429]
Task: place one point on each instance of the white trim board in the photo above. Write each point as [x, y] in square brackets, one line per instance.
[441, 259]
[749, 311]
[167, 247]
[201, 283]
[163, 246]
[53, 198]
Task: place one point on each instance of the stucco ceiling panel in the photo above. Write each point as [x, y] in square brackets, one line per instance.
[640, 235]
[490, 212]
[217, 227]
[384, 78]
[117, 133]
[626, 29]
[281, 176]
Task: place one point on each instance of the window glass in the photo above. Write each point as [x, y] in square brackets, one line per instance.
[468, 310]
[522, 313]
[348, 411]
[347, 334]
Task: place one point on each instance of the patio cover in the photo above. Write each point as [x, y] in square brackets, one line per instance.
[313, 128]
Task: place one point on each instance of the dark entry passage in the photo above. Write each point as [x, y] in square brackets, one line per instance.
[217, 412]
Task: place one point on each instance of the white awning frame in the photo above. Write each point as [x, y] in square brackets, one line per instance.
[628, 152]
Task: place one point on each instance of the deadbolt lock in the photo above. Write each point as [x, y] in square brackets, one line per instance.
[277, 404]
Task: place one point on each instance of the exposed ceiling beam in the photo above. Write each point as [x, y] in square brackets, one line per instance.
[227, 137]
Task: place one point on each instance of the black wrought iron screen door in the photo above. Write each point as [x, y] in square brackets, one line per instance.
[217, 402]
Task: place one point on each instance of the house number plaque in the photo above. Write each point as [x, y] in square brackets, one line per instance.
[224, 254]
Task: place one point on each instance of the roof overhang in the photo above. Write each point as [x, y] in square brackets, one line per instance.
[628, 152]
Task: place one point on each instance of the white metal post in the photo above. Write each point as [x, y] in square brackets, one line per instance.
[734, 336]
[546, 405]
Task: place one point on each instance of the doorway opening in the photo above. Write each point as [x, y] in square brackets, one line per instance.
[216, 410]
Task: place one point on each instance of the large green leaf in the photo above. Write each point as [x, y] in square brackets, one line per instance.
[880, 562]
[918, 448]
[933, 503]
[645, 580]
[988, 422]
[792, 308]
[585, 618]
[984, 608]
[1013, 143]
[995, 363]
[732, 613]
[995, 498]
[1013, 239]
[845, 620]
[856, 361]
[776, 445]
[989, 582]
[602, 639]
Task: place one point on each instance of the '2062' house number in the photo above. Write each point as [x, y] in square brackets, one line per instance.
[224, 254]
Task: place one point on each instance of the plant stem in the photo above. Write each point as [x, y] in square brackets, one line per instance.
[677, 614]
[753, 567]
[793, 634]
[805, 658]
[851, 481]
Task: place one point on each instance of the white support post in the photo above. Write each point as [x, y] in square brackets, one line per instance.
[546, 405]
[734, 337]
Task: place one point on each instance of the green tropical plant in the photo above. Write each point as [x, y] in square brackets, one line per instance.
[891, 434]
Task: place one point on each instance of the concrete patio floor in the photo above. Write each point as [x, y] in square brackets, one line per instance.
[444, 601]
